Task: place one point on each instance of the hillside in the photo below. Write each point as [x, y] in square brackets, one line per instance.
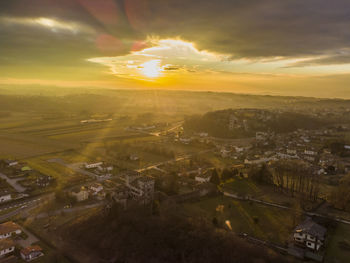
[246, 122]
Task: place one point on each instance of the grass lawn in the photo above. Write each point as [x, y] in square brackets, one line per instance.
[57, 171]
[243, 186]
[263, 222]
[335, 253]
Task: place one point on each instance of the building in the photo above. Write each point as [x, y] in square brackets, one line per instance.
[309, 234]
[43, 180]
[5, 196]
[7, 246]
[11, 163]
[261, 136]
[31, 252]
[141, 187]
[81, 194]
[121, 195]
[203, 178]
[8, 229]
[93, 165]
[233, 122]
[96, 188]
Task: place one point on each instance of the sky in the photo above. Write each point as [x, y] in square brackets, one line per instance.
[289, 47]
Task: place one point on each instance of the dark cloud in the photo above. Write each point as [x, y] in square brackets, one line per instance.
[240, 28]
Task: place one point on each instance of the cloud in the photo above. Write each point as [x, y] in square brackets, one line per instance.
[51, 24]
[339, 58]
[164, 56]
[240, 28]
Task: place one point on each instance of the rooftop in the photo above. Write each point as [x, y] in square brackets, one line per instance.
[8, 227]
[30, 249]
[310, 227]
[6, 243]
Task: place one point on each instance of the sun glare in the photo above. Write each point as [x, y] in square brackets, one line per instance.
[151, 69]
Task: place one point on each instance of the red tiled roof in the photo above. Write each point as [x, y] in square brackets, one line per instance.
[30, 249]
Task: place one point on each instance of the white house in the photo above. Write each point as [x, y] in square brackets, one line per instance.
[310, 152]
[8, 229]
[7, 246]
[203, 178]
[5, 196]
[31, 252]
[11, 162]
[96, 188]
[92, 165]
[310, 234]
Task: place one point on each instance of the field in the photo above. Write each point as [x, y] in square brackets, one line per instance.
[272, 224]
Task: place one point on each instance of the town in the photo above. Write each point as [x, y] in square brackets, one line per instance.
[281, 190]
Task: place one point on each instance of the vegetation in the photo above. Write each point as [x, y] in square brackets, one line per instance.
[246, 122]
[137, 236]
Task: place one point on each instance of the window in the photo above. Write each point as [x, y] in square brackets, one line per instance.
[310, 244]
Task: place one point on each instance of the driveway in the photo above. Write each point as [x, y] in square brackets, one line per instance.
[31, 239]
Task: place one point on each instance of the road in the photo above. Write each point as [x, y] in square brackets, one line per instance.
[23, 205]
[13, 183]
[184, 157]
[70, 210]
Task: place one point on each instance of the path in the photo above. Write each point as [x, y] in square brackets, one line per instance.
[31, 239]
[13, 183]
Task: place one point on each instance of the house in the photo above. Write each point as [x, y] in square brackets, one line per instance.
[310, 234]
[5, 196]
[133, 157]
[310, 152]
[96, 188]
[7, 246]
[224, 152]
[261, 136]
[92, 165]
[233, 122]
[43, 180]
[291, 151]
[11, 163]
[105, 168]
[121, 195]
[8, 229]
[81, 194]
[141, 187]
[203, 177]
[185, 140]
[31, 252]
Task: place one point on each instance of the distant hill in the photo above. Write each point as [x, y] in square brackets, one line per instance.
[240, 123]
[53, 99]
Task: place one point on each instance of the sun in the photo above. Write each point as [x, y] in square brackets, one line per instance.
[151, 69]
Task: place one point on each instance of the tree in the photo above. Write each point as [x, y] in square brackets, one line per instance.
[215, 179]
[215, 221]
[261, 174]
[340, 196]
[173, 186]
[226, 174]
